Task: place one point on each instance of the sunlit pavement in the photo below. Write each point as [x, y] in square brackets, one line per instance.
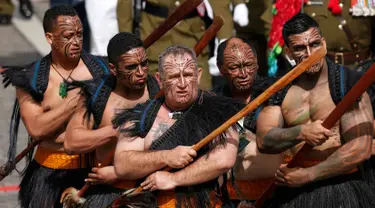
[20, 43]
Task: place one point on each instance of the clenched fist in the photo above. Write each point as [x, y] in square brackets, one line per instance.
[314, 133]
[180, 156]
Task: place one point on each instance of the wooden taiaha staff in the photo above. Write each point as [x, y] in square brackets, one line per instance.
[282, 82]
[9, 166]
[179, 14]
[350, 98]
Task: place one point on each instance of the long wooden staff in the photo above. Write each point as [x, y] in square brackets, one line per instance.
[179, 14]
[357, 90]
[286, 79]
[9, 166]
[70, 197]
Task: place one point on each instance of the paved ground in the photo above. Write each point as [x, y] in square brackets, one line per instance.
[15, 48]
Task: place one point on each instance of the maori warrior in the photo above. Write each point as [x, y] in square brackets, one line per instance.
[328, 175]
[161, 132]
[46, 103]
[253, 171]
[91, 129]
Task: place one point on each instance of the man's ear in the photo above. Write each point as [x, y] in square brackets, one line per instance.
[112, 68]
[199, 75]
[158, 78]
[49, 37]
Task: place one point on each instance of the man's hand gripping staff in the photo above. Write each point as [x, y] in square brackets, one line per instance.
[282, 82]
[350, 98]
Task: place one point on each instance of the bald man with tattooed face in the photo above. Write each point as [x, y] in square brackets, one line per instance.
[327, 176]
[253, 171]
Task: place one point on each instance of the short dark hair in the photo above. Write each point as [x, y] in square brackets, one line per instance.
[223, 46]
[298, 24]
[51, 15]
[121, 43]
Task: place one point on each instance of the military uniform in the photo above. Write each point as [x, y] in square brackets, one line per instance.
[187, 32]
[348, 38]
[6, 11]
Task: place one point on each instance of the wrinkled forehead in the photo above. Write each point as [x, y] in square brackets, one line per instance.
[68, 21]
[178, 62]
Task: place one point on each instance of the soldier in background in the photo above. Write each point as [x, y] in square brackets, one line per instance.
[7, 8]
[348, 37]
[187, 32]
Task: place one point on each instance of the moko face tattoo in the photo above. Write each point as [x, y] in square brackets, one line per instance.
[67, 37]
[132, 68]
[303, 45]
[180, 78]
[240, 65]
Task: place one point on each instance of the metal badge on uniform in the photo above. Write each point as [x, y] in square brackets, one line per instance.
[201, 9]
[362, 8]
[314, 3]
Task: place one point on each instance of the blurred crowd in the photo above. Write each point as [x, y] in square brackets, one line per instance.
[347, 27]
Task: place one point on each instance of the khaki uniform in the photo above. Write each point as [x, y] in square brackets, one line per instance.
[338, 44]
[187, 32]
[221, 7]
[6, 11]
[337, 41]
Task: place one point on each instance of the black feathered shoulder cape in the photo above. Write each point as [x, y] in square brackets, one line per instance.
[34, 78]
[206, 114]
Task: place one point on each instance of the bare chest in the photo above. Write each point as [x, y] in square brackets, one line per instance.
[304, 106]
[52, 96]
[161, 124]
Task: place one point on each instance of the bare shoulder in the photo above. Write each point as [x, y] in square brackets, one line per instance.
[81, 72]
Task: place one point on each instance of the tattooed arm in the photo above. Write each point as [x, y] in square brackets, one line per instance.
[132, 161]
[273, 139]
[357, 131]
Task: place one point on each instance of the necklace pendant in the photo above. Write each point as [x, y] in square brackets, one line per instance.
[63, 92]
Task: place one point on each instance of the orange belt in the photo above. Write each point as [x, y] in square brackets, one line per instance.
[248, 190]
[58, 160]
[166, 199]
